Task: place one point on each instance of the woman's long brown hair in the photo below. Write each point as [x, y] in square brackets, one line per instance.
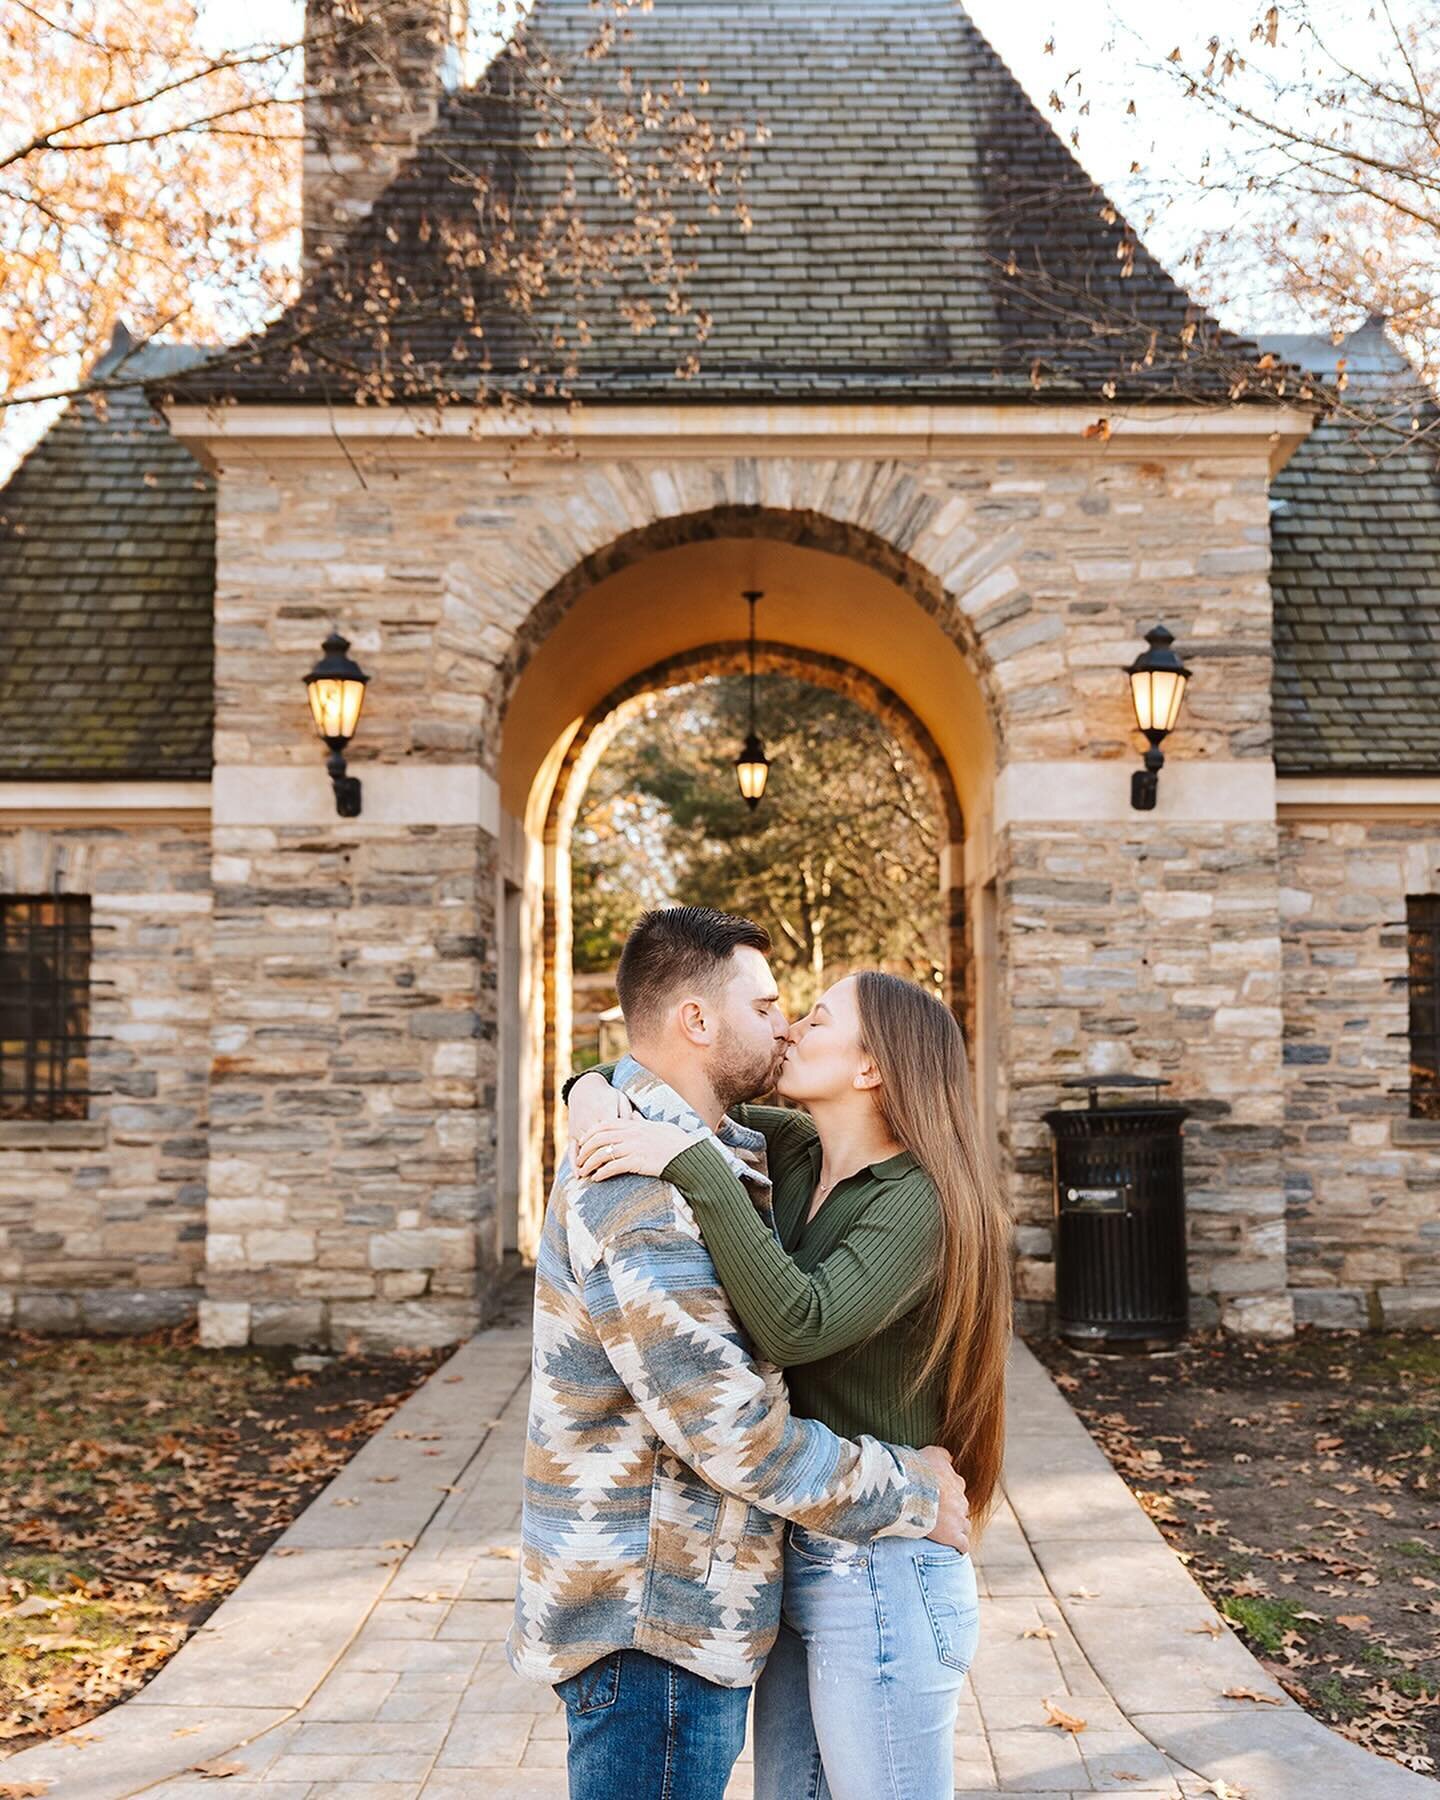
[925, 1098]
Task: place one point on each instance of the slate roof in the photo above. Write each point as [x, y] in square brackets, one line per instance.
[905, 168]
[905, 174]
[107, 588]
[1355, 540]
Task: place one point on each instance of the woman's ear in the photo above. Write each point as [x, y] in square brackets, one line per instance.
[867, 1076]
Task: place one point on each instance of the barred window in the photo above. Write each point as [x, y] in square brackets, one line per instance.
[44, 1006]
[1423, 922]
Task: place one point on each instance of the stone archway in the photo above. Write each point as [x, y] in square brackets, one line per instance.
[905, 509]
[658, 606]
[587, 747]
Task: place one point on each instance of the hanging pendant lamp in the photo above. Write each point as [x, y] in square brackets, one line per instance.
[752, 766]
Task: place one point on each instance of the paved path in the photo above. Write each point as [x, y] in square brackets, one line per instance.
[362, 1658]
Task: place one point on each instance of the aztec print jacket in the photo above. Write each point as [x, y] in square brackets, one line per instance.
[662, 1457]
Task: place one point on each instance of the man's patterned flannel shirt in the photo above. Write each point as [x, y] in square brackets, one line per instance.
[662, 1458]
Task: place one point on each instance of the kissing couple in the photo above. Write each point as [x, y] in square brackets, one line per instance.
[767, 1406]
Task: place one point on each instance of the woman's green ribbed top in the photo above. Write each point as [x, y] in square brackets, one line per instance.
[814, 1298]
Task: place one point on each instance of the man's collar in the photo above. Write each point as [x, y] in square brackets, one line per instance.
[655, 1099]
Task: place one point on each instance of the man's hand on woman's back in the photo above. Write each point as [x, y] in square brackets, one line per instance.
[952, 1521]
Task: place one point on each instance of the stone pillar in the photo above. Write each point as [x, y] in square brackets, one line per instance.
[352, 1122]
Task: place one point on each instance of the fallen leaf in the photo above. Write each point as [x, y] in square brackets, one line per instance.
[82, 1737]
[216, 1770]
[1211, 1628]
[23, 1790]
[1244, 1693]
[1037, 1631]
[286, 1550]
[1353, 1621]
[398, 1544]
[1056, 1715]
[34, 1607]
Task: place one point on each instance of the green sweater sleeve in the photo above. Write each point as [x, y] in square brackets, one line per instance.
[795, 1315]
[778, 1125]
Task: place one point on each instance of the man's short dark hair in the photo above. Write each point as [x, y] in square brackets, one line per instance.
[679, 947]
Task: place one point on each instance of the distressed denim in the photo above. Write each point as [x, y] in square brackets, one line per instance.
[859, 1696]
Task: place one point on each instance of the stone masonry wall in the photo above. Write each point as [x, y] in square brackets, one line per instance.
[343, 1128]
[1362, 1176]
[1154, 950]
[352, 1173]
[102, 1220]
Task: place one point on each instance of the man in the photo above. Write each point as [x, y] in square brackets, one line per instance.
[662, 1457]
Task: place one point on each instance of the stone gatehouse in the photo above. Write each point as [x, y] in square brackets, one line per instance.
[295, 1072]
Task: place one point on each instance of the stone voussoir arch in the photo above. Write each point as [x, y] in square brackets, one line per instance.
[890, 529]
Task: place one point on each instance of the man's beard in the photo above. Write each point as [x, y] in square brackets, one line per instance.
[737, 1073]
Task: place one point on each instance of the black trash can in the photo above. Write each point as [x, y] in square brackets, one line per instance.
[1120, 1274]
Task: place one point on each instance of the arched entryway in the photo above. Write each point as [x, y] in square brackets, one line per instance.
[842, 609]
[588, 746]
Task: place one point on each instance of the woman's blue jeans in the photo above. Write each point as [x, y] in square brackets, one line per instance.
[858, 1698]
[642, 1729]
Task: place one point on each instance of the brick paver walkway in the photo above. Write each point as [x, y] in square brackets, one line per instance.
[363, 1658]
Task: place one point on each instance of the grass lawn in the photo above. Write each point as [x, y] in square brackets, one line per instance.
[140, 1478]
[1299, 1483]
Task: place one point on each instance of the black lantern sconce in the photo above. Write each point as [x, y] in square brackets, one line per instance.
[1158, 680]
[336, 687]
[752, 766]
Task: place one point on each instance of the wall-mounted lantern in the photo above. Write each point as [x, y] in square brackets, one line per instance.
[1158, 680]
[336, 687]
[752, 766]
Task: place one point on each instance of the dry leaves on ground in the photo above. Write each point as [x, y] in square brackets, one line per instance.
[140, 1478]
[1293, 1481]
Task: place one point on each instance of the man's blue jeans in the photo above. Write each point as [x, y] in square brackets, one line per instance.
[642, 1729]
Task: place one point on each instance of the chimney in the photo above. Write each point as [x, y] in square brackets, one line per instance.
[375, 73]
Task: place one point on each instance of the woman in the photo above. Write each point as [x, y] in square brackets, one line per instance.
[882, 1289]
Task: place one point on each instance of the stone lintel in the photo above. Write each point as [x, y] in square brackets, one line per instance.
[1084, 790]
[73, 803]
[412, 793]
[1321, 797]
[753, 429]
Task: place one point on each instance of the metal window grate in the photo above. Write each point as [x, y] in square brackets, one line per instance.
[44, 1006]
[1422, 919]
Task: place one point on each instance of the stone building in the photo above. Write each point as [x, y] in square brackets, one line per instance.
[296, 1071]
